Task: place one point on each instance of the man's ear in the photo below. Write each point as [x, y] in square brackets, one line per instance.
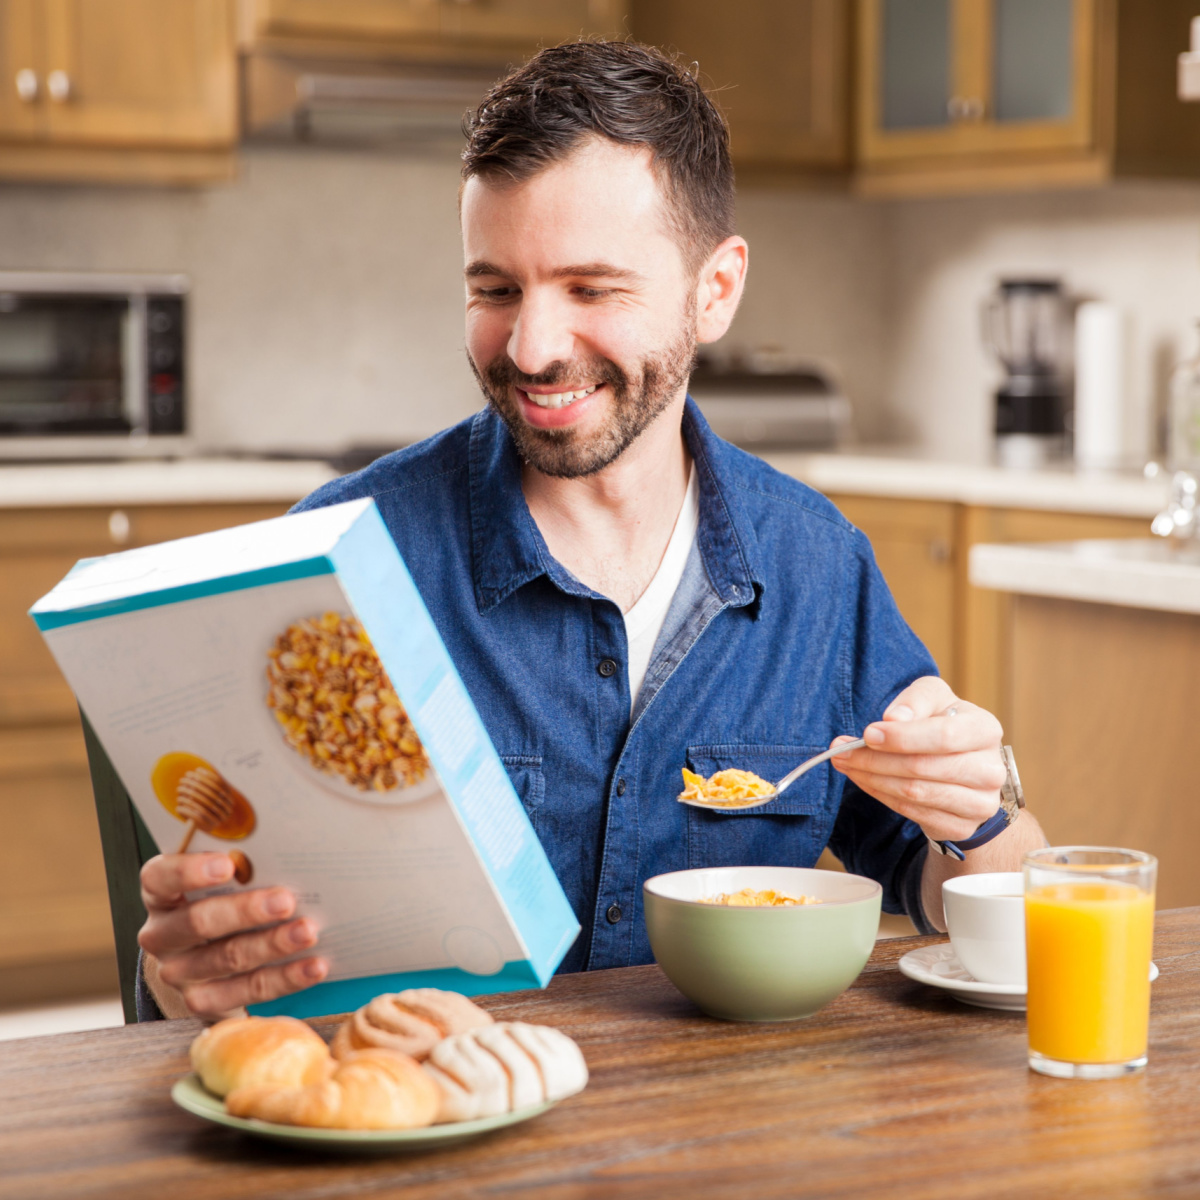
[719, 288]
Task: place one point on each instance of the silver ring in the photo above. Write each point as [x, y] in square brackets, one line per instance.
[952, 711]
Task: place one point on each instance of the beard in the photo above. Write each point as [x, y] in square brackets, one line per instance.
[637, 400]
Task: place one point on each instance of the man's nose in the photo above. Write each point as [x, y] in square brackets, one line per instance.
[542, 334]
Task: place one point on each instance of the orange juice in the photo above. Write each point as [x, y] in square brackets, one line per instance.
[1088, 958]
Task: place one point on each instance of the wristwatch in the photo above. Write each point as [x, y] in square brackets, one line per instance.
[1012, 800]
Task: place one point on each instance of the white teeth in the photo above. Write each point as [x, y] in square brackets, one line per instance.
[560, 399]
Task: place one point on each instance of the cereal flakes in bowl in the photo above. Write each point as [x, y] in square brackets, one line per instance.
[761, 961]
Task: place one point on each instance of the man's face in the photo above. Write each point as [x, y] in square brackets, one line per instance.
[581, 319]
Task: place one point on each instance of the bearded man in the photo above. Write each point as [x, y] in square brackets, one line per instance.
[623, 593]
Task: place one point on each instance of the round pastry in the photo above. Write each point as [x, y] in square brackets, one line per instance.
[502, 1068]
[274, 1051]
[375, 1089]
[410, 1022]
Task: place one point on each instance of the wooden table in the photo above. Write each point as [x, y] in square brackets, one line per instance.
[893, 1090]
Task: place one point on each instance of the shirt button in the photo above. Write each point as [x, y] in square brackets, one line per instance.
[606, 667]
[614, 914]
[621, 786]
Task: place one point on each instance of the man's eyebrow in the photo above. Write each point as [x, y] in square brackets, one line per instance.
[479, 267]
[596, 270]
[592, 270]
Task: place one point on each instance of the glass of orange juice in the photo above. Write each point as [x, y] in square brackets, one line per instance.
[1089, 923]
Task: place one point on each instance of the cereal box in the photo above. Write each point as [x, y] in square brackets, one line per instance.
[279, 691]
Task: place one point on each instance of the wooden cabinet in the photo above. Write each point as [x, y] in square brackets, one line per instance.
[118, 89]
[55, 932]
[923, 548]
[21, 81]
[339, 18]
[1094, 685]
[390, 25]
[781, 70]
[964, 95]
[914, 544]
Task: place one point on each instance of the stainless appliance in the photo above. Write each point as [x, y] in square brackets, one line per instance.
[776, 408]
[92, 365]
[1027, 328]
[302, 97]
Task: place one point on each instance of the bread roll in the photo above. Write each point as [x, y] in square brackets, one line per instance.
[503, 1068]
[273, 1051]
[411, 1022]
[375, 1089]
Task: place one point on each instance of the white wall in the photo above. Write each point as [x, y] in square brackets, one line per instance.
[327, 302]
[1137, 246]
[815, 289]
[327, 305]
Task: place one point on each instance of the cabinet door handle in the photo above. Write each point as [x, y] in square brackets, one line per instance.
[964, 108]
[120, 528]
[58, 84]
[939, 550]
[27, 85]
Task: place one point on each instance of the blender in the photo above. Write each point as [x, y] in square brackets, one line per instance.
[1027, 329]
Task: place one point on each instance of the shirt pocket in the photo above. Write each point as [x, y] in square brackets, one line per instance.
[790, 830]
[525, 774]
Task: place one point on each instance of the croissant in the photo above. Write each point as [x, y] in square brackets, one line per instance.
[274, 1051]
[502, 1068]
[411, 1022]
[374, 1089]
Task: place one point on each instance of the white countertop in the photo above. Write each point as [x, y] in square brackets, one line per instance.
[890, 473]
[1135, 573]
[181, 481]
[1059, 489]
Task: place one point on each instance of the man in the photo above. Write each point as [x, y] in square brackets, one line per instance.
[624, 593]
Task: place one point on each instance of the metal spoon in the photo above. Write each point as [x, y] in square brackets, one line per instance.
[783, 784]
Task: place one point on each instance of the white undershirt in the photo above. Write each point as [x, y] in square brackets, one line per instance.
[644, 621]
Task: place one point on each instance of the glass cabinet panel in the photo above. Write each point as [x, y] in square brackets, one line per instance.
[915, 67]
[1032, 59]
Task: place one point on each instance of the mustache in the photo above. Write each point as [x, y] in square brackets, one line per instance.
[503, 372]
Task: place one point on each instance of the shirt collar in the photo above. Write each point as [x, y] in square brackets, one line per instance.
[508, 550]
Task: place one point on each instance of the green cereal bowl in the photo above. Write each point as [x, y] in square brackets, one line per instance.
[761, 964]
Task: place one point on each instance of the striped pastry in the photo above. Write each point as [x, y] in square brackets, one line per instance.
[502, 1068]
[412, 1022]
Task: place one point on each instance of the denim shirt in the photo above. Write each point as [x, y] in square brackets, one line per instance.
[782, 635]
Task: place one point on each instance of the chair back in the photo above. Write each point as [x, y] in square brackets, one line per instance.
[127, 845]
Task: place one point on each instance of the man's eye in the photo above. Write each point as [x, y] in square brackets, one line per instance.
[587, 293]
[496, 293]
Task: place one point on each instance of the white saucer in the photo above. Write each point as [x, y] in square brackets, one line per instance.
[939, 967]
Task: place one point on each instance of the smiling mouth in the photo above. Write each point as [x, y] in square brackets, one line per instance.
[558, 399]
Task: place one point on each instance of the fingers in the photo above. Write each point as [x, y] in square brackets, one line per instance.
[943, 810]
[166, 877]
[922, 698]
[972, 728]
[170, 930]
[215, 950]
[982, 770]
[238, 955]
[942, 771]
[217, 997]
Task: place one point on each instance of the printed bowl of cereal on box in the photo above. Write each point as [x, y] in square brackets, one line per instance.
[332, 701]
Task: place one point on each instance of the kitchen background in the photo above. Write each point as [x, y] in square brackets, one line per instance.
[326, 303]
[896, 159]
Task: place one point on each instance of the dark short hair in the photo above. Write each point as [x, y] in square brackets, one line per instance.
[631, 93]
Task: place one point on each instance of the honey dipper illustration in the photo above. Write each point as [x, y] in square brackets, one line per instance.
[195, 792]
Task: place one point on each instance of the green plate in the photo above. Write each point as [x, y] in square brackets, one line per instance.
[190, 1094]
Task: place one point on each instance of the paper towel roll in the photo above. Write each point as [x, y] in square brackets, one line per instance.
[1099, 385]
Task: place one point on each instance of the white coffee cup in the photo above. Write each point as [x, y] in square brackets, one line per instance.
[985, 915]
